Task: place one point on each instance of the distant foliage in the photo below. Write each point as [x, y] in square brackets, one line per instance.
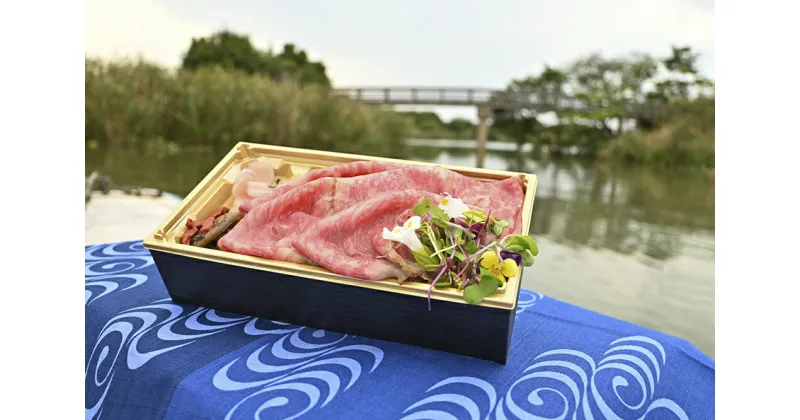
[603, 86]
[232, 51]
[138, 104]
[685, 138]
[428, 125]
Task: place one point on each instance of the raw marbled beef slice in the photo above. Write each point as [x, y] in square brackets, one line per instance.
[433, 179]
[350, 242]
[267, 230]
[504, 198]
[346, 170]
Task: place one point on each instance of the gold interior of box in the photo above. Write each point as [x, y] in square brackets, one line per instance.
[214, 192]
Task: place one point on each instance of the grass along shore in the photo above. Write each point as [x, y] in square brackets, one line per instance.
[133, 103]
[138, 104]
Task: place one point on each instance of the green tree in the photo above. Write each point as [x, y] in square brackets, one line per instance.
[595, 100]
[608, 88]
[236, 52]
[548, 87]
[293, 63]
[682, 78]
[522, 123]
[227, 50]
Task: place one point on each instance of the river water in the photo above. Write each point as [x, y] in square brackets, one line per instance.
[633, 243]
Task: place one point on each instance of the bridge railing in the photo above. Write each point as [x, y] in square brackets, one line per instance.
[497, 99]
[433, 96]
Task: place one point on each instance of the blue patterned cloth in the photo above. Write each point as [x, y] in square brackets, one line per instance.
[149, 358]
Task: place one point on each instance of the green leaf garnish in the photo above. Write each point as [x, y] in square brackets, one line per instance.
[488, 284]
[438, 215]
[522, 242]
[476, 216]
[498, 226]
[527, 258]
[425, 261]
[523, 245]
[444, 282]
[439, 221]
[473, 294]
[441, 251]
[422, 208]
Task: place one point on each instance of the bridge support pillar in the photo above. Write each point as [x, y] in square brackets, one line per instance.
[484, 113]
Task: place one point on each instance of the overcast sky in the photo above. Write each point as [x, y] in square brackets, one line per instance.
[465, 43]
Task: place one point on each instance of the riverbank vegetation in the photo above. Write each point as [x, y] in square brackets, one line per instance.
[228, 91]
[134, 104]
[685, 138]
[672, 125]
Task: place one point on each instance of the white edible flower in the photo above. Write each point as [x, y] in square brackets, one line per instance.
[453, 207]
[405, 234]
[413, 223]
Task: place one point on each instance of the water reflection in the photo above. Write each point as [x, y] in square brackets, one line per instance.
[626, 210]
[635, 244]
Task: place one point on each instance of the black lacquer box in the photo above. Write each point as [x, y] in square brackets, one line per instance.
[315, 297]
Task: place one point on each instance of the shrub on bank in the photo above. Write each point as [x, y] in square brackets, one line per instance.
[685, 138]
[138, 104]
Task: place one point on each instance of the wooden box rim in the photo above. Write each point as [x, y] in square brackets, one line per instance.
[158, 239]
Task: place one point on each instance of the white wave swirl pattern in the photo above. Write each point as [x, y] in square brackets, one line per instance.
[116, 250]
[565, 379]
[116, 265]
[100, 286]
[462, 403]
[108, 269]
[121, 336]
[527, 299]
[307, 368]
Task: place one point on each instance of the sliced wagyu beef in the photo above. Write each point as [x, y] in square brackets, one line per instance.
[424, 178]
[268, 229]
[350, 242]
[334, 217]
[346, 170]
[504, 197]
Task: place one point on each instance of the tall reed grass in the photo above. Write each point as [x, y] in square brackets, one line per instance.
[133, 103]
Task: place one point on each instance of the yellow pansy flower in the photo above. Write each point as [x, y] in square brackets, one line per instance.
[500, 269]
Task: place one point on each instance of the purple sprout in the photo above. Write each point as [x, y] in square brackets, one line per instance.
[475, 229]
[433, 284]
[459, 222]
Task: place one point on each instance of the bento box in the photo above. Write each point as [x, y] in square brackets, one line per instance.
[315, 297]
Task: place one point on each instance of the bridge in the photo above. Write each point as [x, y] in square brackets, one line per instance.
[486, 100]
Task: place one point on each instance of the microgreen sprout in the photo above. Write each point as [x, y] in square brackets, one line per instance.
[446, 242]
